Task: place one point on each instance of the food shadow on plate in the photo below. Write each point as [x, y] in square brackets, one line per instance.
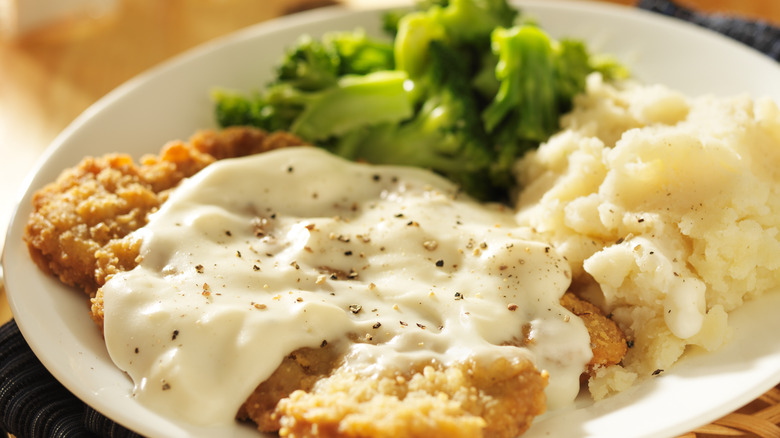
[749, 350]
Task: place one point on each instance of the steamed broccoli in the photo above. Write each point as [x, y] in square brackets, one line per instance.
[324, 87]
[460, 88]
[479, 15]
[445, 134]
[313, 64]
[537, 78]
[465, 25]
[351, 102]
[527, 95]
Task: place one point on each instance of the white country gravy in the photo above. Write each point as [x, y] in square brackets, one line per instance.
[256, 257]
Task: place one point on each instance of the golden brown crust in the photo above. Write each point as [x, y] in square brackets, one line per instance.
[78, 225]
[311, 395]
[607, 341]
[298, 371]
[471, 399]
[100, 200]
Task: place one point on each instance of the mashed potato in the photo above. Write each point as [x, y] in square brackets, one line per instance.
[668, 209]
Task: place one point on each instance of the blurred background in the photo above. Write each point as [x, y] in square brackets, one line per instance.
[58, 57]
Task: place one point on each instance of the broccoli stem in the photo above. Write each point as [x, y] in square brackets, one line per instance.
[526, 72]
[354, 102]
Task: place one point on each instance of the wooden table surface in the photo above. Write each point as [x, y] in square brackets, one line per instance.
[51, 74]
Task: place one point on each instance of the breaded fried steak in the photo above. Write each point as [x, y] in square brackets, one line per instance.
[80, 231]
[76, 228]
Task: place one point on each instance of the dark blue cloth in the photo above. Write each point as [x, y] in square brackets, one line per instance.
[35, 405]
[759, 35]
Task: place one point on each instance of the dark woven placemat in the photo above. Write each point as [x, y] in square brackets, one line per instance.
[34, 404]
[760, 35]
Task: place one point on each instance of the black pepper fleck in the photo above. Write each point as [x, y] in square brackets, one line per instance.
[175, 334]
[440, 263]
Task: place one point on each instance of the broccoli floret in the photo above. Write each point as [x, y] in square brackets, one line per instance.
[313, 64]
[324, 87]
[537, 78]
[416, 31]
[236, 109]
[352, 102]
[484, 80]
[444, 135]
[360, 55]
[462, 24]
[526, 70]
[472, 21]
[310, 65]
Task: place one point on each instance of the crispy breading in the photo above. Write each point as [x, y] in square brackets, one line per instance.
[298, 371]
[471, 399]
[607, 341]
[78, 222]
[312, 394]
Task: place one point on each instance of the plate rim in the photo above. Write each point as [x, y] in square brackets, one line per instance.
[255, 31]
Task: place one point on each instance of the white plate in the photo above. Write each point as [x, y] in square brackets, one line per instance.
[172, 102]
